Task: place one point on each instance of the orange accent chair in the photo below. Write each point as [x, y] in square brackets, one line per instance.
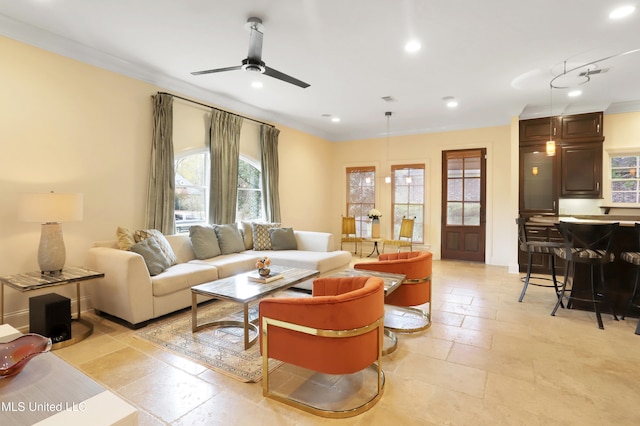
[339, 330]
[415, 289]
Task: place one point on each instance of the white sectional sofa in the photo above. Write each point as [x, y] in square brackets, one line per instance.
[130, 293]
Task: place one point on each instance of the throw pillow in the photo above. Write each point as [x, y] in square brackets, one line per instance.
[283, 239]
[152, 254]
[247, 234]
[204, 241]
[165, 247]
[229, 238]
[260, 234]
[124, 238]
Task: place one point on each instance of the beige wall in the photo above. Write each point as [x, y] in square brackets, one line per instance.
[427, 149]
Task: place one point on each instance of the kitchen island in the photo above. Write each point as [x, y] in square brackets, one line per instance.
[619, 275]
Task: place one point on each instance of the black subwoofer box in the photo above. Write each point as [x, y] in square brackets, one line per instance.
[50, 316]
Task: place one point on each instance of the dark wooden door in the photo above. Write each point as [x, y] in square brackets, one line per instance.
[463, 205]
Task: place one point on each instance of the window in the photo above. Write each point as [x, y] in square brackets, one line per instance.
[361, 196]
[408, 198]
[624, 179]
[192, 190]
[249, 192]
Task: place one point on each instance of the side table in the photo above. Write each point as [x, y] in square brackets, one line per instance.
[36, 280]
[375, 242]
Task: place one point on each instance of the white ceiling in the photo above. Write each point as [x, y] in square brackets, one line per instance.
[496, 57]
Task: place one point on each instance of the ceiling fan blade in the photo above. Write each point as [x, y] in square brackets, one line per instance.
[284, 77]
[239, 67]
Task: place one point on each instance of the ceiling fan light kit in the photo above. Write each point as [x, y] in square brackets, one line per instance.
[253, 62]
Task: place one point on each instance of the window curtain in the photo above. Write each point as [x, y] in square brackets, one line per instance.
[161, 191]
[270, 172]
[224, 145]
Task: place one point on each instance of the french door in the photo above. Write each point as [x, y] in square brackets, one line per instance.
[463, 205]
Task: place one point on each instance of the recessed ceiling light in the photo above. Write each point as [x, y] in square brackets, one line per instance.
[257, 85]
[574, 93]
[412, 46]
[335, 119]
[621, 12]
[450, 101]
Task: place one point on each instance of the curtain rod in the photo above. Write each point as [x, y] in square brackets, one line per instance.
[217, 109]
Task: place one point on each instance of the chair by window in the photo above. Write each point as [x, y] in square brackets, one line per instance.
[633, 257]
[405, 237]
[540, 248]
[337, 331]
[349, 234]
[414, 291]
[588, 244]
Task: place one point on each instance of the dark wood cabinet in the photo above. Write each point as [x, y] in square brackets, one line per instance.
[581, 170]
[538, 181]
[575, 171]
[586, 127]
[538, 130]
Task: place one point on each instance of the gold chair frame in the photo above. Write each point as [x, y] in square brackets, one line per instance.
[377, 366]
[348, 229]
[406, 231]
[420, 312]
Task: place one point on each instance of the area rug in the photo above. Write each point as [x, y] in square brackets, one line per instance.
[220, 349]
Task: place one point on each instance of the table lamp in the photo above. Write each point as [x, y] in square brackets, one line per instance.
[50, 209]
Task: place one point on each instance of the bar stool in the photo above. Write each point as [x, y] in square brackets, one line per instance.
[589, 244]
[543, 248]
[633, 257]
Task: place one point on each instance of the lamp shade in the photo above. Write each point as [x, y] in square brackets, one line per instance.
[50, 207]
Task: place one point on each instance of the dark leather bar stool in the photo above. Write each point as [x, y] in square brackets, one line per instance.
[543, 248]
[633, 257]
[588, 244]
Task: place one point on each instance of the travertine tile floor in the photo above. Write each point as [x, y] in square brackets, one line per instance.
[487, 360]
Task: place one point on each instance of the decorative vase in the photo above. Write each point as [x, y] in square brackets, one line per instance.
[264, 272]
[14, 355]
[375, 228]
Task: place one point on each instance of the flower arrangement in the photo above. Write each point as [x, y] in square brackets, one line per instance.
[374, 214]
[262, 263]
[263, 266]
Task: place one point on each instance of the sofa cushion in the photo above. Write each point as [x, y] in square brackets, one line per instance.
[153, 255]
[143, 234]
[283, 239]
[323, 261]
[261, 237]
[246, 230]
[230, 264]
[229, 238]
[204, 241]
[125, 238]
[182, 276]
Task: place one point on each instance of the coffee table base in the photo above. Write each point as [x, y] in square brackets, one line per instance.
[244, 324]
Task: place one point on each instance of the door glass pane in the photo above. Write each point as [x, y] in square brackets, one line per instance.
[454, 168]
[471, 214]
[454, 213]
[454, 190]
[472, 189]
[472, 167]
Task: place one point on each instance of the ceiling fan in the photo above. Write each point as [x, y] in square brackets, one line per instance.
[254, 62]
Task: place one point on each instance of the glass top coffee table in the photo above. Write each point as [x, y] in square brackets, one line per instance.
[240, 289]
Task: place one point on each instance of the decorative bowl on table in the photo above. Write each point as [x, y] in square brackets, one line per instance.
[14, 355]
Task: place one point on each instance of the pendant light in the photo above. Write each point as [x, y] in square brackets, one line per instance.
[387, 114]
[551, 144]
